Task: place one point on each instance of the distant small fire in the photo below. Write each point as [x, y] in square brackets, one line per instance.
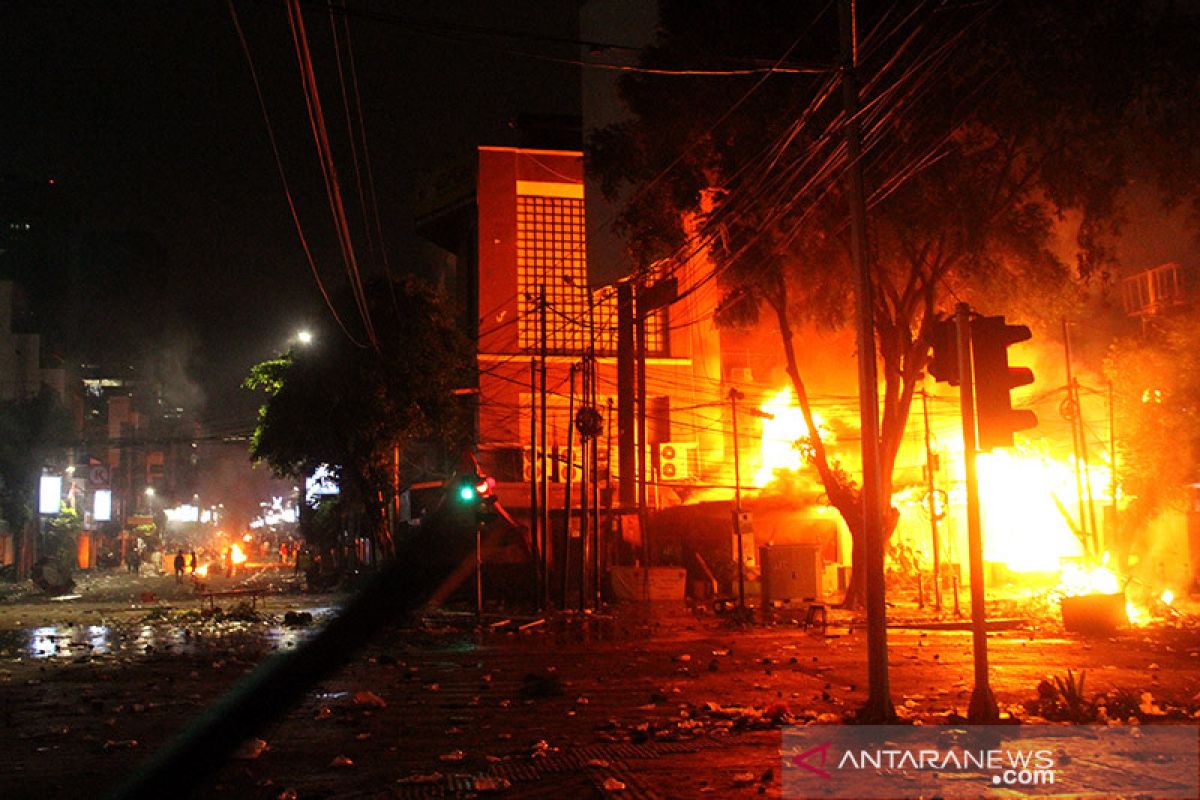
[202, 571]
[236, 554]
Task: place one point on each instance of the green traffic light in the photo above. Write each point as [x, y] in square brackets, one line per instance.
[467, 493]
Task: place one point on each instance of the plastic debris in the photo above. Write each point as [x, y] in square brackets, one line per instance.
[369, 699]
[490, 784]
[251, 749]
[341, 761]
[422, 779]
[613, 785]
[452, 756]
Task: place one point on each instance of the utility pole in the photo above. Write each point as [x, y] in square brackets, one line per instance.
[534, 494]
[595, 452]
[734, 396]
[544, 596]
[640, 335]
[584, 495]
[879, 701]
[1112, 464]
[1073, 408]
[933, 516]
[566, 536]
[983, 704]
[626, 425]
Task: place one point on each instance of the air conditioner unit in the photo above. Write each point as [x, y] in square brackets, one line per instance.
[675, 461]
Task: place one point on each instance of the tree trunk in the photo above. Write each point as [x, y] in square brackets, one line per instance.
[842, 496]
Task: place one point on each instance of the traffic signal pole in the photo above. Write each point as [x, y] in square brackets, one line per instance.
[983, 707]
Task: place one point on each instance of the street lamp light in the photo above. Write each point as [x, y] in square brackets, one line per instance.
[304, 336]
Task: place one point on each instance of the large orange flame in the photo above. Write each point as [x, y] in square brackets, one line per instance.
[783, 435]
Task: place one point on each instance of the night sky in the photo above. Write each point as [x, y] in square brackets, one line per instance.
[144, 115]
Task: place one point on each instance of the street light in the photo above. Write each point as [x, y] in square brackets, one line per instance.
[304, 336]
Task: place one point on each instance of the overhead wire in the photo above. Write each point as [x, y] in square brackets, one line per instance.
[308, 256]
[328, 167]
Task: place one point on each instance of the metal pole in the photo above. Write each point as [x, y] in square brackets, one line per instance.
[983, 703]
[1073, 404]
[879, 702]
[479, 571]
[933, 529]
[584, 498]
[594, 487]
[1087, 474]
[595, 454]
[566, 537]
[544, 526]
[640, 336]
[1112, 465]
[533, 479]
[734, 394]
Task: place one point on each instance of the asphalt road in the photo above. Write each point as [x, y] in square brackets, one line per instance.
[628, 704]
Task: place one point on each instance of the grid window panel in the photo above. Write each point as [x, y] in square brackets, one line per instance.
[552, 255]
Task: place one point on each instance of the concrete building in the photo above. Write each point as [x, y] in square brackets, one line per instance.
[514, 220]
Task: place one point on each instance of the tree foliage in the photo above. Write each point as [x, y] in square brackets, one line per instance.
[349, 407]
[983, 126]
[1156, 380]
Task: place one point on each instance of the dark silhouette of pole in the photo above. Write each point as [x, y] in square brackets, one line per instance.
[626, 421]
[584, 494]
[1112, 465]
[933, 529]
[879, 701]
[544, 526]
[1075, 420]
[734, 396]
[533, 478]
[640, 335]
[594, 486]
[566, 536]
[983, 704]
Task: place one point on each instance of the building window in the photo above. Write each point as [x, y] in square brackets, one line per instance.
[552, 254]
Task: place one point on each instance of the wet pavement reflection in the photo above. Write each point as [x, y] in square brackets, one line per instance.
[75, 642]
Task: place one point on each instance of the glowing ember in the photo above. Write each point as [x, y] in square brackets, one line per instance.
[781, 435]
[236, 555]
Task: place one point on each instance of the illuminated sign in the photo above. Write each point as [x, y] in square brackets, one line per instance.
[102, 505]
[320, 484]
[50, 494]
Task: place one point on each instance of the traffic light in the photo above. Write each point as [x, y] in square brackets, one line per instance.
[475, 494]
[997, 420]
[943, 364]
